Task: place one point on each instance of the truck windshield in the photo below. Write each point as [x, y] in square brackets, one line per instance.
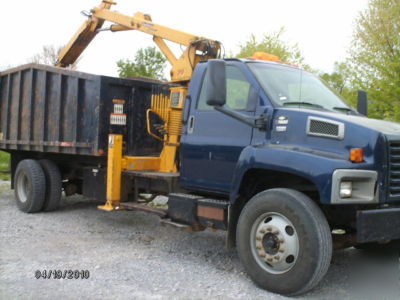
[292, 87]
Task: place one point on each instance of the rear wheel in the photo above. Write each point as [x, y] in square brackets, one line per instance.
[284, 241]
[30, 186]
[53, 185]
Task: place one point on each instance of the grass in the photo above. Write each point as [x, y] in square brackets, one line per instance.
[4, 159]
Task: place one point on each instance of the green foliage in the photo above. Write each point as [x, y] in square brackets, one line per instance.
[374, 63]
[4, 165]
[339, 80]
[274, 44]
[148, 62]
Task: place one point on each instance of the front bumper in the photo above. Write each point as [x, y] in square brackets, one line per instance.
[378, 225]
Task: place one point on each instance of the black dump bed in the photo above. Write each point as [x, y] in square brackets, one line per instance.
[49, 109]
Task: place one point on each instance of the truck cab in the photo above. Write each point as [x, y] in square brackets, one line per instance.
[310, 136]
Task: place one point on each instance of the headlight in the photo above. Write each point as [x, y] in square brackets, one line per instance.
[346, 189]
[351, 186]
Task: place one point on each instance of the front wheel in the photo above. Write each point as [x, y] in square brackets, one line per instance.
[284, 241]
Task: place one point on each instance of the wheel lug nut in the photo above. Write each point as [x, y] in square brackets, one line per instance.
[270, 260]
[258, 238]
[262, 231]
[277, 257]
[276, 232]
[262, 254]
[281, 241]
[269, 228]
[258, 247]
[281, 250]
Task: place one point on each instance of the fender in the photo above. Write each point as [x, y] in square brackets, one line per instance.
[314, 165]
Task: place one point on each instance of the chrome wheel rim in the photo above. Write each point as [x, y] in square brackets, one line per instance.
[23, 187]
[274, 243]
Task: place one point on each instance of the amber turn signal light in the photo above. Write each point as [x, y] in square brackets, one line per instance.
[357, 155]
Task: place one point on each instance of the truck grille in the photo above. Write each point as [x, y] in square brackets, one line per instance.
[394, 175]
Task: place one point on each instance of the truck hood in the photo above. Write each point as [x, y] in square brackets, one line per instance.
[374, 136]
[385, 127]
[388, 128]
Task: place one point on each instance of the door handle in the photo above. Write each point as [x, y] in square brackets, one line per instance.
[191, 125]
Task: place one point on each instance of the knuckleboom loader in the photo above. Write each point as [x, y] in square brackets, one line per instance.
[256, 147]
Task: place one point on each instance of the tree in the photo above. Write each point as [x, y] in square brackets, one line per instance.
[148, 62]
[339, 80]
[273, 44]
[336, 79]
[375, 57]
[49, 56]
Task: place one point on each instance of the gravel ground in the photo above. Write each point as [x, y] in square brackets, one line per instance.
[130, 256]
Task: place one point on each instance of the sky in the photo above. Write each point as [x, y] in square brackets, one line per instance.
[322, 28]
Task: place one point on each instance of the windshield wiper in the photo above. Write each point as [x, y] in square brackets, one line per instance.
[343, 109]
[303, 103]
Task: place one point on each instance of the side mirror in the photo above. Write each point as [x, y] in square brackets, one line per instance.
[362, 103]
[216, 82]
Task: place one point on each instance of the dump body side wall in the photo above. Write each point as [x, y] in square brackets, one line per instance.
[53, 110]
[47, 109]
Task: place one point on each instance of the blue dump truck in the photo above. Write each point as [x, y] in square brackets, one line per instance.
[265, 151]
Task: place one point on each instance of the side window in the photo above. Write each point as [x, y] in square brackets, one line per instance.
[237, 90]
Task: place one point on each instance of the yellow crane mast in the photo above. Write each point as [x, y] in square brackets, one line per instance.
[168, 108]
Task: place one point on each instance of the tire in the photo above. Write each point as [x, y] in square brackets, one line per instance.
[30, 186]
[288, 227]
[53, 185]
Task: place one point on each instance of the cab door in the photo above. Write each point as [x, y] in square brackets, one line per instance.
[213, 141]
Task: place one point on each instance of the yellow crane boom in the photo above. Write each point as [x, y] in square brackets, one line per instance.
[197, 48]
